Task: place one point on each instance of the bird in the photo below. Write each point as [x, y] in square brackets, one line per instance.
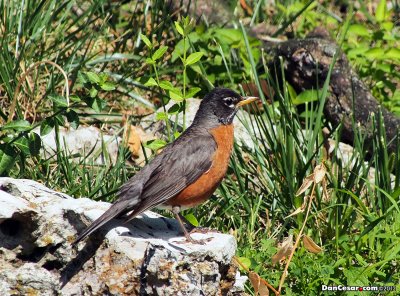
[188, 170]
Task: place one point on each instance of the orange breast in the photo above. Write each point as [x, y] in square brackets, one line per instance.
[204, 187]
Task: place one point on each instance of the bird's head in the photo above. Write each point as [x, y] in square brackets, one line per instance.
[221, 105]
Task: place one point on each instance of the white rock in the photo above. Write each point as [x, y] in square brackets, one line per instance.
[82, 141]
[147, 255]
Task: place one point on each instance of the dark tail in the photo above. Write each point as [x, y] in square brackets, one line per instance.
[115, 210]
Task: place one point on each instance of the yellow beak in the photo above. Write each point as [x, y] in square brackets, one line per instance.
[246, 100]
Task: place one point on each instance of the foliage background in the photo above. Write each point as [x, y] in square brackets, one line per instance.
[123, 59]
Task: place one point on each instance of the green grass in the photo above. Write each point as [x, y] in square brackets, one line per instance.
[99, 46]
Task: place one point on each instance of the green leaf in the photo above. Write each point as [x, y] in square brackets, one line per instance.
[93, 92]
[74, 98]
[245, 261]
[176, 96]
[189, 25]
[191, 92]
[387, 26]
[306, 96]
[82, 78]
[7, 158]
[146, 41]
[179, 28]
[159, 53]
[393, 53]
[381, 11]
[46, 126]
[192, 219]
[58, 100]
[35, 143]
[375, 53]
[150, 61]
[175, 108]
[359, 30]
[23, 145]
[291, 92]
[164, 84]
[17, 125]
[155, 144]
[73, 119]
[107, 86]
[98, 104]
[193, 58]
[93, 77]
[161, 116]
[151, 82]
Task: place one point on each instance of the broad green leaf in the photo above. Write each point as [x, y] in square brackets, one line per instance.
[161, 116]
[359, 30]
[35, 143]
[7, 159]
[381, 10]
[146, 41]
[193, 58]
[23, 145]
[74, 98]
[98, 104]
[357, 51]
[192, 219]
[164, 84]
[175, 108]
[191, 92]
[150, 61]
[17, 125]
[387, 26]
[393, 53]
[228, 36]
[179, 28]
[155, 144]
[59, 100]
[93, 92]
[176, 96]
[46, 126]
[151, 82]
[93, 77]
[306, 96]
[189, 25]
[159, 53]
[246, 262]
[375, 53]
[107, 86]
[73, 119]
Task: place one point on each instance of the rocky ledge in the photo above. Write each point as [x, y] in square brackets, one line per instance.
[147, 256]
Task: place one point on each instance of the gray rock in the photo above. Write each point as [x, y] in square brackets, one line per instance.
[80, 142]
[147, 256]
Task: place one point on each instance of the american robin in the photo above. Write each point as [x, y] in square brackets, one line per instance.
[187, 171]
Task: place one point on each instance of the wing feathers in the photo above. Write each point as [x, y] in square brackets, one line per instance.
[177, 166]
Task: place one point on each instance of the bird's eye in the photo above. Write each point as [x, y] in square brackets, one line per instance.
[229, 102]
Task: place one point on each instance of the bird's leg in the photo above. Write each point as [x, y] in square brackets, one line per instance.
[189, 226]
[176, 211]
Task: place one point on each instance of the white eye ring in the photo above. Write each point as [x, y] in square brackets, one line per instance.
[229, 102]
